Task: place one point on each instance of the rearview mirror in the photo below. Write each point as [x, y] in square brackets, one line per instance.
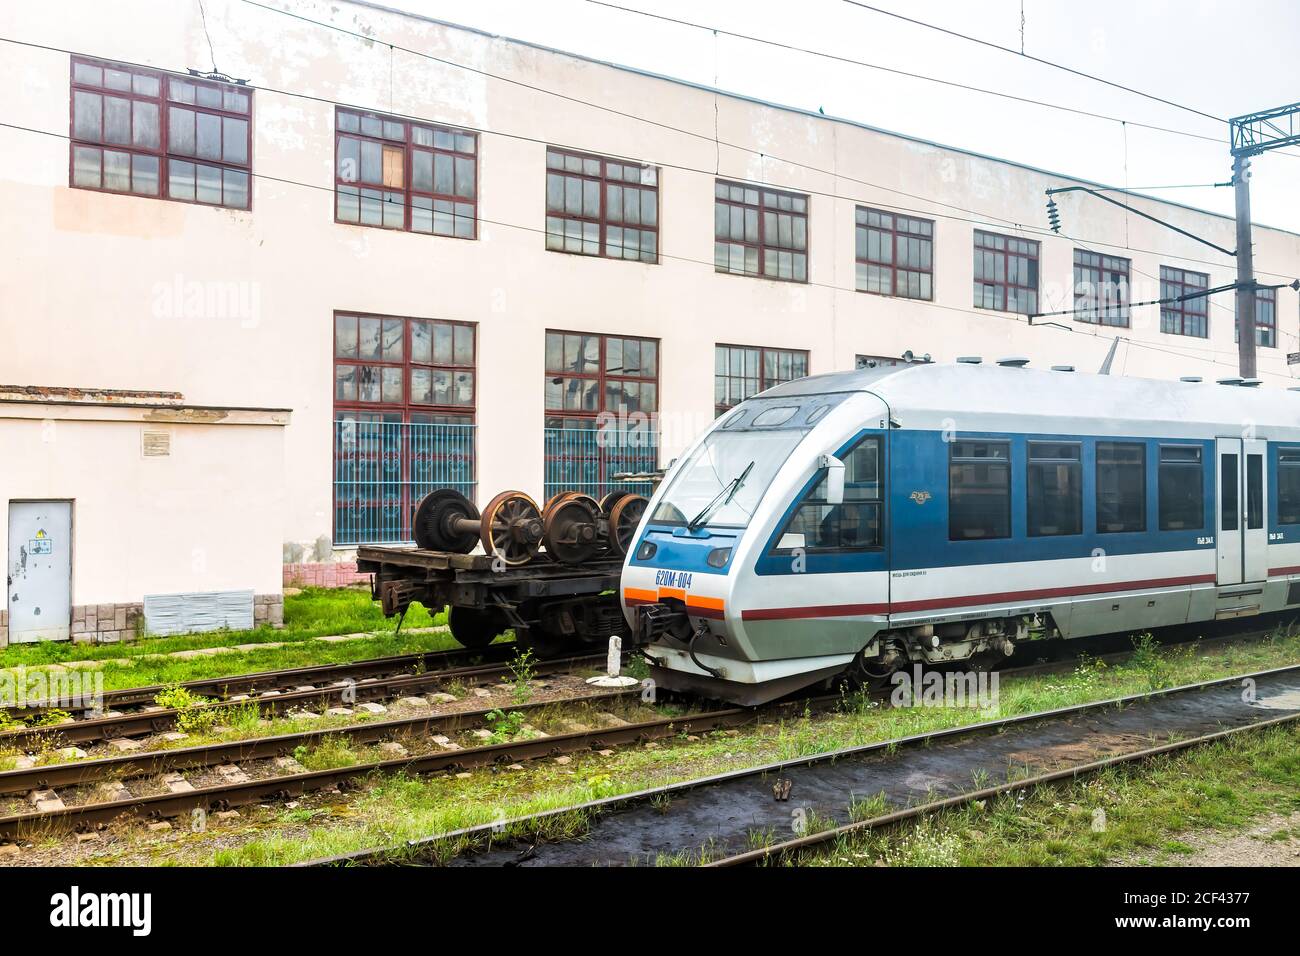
[834, 479]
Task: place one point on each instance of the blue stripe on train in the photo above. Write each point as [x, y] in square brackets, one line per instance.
[916, 520]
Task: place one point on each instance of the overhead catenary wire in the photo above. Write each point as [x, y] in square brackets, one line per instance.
[982, 314]
[1041, 60]
[910, 74]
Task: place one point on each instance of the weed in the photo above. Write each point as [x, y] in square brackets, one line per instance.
[193, 713]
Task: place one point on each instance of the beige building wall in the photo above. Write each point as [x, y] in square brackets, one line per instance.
[235, 308]
[202, 510]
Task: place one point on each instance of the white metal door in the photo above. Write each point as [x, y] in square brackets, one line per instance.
[40, 571]
[1227, 510]
[1254, 545]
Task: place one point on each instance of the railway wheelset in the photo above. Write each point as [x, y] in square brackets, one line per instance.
[550, 574]
[573, 527]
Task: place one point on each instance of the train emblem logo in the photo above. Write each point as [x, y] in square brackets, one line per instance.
[920, 497]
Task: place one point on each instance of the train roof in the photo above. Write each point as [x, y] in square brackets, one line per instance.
[924, 394]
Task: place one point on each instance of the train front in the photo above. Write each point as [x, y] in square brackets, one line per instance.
[740, 545]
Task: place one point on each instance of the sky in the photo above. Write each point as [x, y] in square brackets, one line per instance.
[1219, 58]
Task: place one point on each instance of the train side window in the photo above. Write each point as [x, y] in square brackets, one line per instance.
[1228, 468]
[979, 490]
[1181, 484]
[1054, 503]
[1121, 487]
[854, 525]
[1254, 492]
[1288, 486]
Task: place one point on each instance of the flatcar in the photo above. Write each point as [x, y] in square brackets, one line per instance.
[853, 523]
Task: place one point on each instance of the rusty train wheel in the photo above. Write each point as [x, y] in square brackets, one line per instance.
[623, 522]
[442, 522]
[608, 502]
[570, 530]
[511, 527]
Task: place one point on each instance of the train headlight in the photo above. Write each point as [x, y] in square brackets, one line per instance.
[646, 551]
[718, 557]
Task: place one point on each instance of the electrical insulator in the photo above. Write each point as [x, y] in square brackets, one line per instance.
[1053, 216]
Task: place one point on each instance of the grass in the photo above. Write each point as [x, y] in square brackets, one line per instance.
[395, 809]
[314, 613]
[1145, 811]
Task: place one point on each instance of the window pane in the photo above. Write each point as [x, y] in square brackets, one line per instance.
[979, 490]
[145, 132]
[117, 170]
[1055, 490]
[1180, 485]
[86, 113]
[1121, 487]
[207, 135]
[180, 131]
[86, 166]
[180, 180]
[234, 140]
[1288, 486]
[117, 120]
[144, 175]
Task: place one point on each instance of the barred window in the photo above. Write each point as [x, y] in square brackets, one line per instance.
[1006, 273]
[895, 254]
[601, 207]
[400, 175]
[151, 134]
[1101, 288]
[760, 232]
[742, 371]
[1191, 316]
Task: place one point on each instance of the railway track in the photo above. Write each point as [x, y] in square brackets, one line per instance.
[729, 809]
[282, 691]
[255, 769]
[290, 779]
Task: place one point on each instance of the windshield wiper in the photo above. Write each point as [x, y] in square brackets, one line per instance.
[723, 497]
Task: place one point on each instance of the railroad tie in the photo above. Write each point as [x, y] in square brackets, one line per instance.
[45, 801]
[177, 783]
[232, 774]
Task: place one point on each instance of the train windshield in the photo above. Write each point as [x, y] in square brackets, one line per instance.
[726, 476]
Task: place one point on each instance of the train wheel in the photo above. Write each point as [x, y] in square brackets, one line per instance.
[569, 530]
[444, 521]
[623, 522]
[608, 502]
[475, 628]
[512, 527]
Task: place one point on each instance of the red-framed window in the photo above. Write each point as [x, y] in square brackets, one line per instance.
[1265, 319]
[1191, 316]
[894, 254]
[1006, 273]
[760, 232]
[396, 174]
[1101, 288]
[588, 374]
[404, 404]
[601, 207]
[149, 133]
[742, 371]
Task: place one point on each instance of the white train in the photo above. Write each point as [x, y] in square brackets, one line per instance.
[855, 522]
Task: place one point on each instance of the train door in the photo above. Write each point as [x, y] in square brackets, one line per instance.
[1241, 539]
